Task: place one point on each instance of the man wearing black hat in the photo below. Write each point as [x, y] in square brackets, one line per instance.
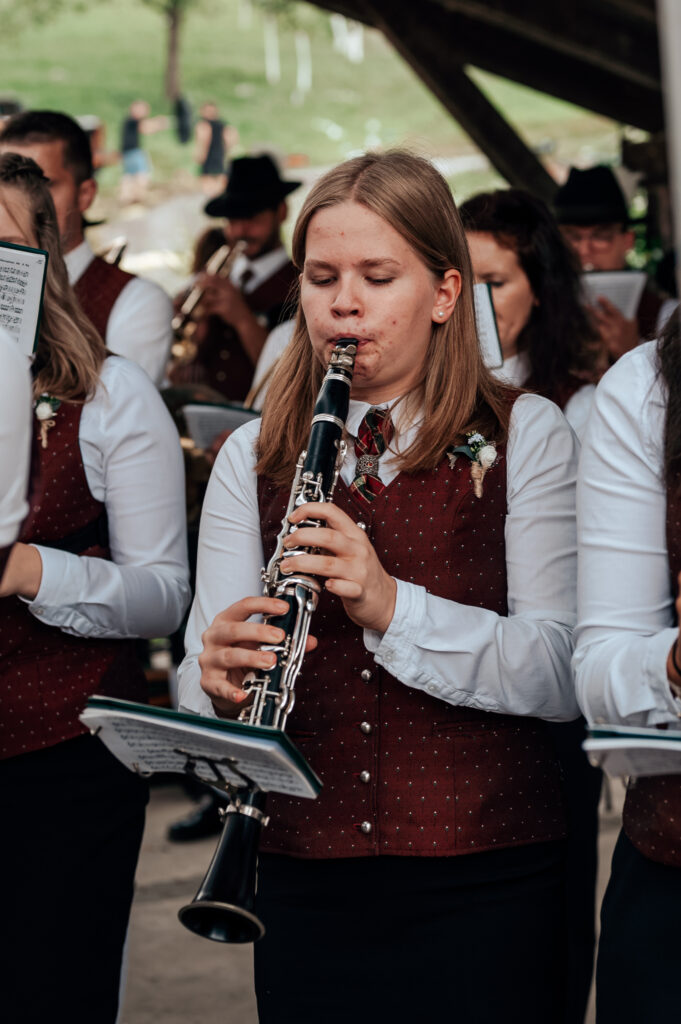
[238, 312]
[593, 215]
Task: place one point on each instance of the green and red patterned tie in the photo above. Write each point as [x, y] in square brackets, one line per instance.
[373, 437]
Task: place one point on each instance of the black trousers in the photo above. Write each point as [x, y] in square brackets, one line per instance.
[475, 939]
[582, 789]
[637, 973]
[72, 820]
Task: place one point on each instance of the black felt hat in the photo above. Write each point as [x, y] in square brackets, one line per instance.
[592, 196]
[253, 185]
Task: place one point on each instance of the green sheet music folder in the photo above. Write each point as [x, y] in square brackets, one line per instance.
[149, 739]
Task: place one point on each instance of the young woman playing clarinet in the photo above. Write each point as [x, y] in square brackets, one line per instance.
[426, 879]
[101, 559]
[628, 659]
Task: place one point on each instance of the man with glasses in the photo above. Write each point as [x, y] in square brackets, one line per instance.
[593, 215]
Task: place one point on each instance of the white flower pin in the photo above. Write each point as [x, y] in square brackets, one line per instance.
[483, 455]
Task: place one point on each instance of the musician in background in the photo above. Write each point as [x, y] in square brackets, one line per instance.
[15, 442]
[549, 346]
[100, 560]
[237, 313]
[548, 341]
[593, 215]
[131, 314]
[628, 660]
[426, 881]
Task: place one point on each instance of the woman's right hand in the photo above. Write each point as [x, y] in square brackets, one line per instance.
[230, 651]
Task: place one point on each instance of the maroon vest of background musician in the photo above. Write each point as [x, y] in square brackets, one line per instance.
[46, 675]
[227, 367]
[97, 290]
[652, 808]
[404, 772]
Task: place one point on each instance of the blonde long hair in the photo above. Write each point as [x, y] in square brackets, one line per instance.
[70, 352]
[455, 391]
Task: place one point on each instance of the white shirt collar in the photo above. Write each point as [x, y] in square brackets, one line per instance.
[262, 268]
[78, 260]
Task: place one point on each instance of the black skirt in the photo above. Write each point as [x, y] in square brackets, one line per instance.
[476, 939]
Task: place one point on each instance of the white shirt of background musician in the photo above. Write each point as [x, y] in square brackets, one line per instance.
[133, 463]
[275, 344]
[261, 269]
[467, 656]
[15, 437]
[516, 370]
[139, 326]
[626, 612]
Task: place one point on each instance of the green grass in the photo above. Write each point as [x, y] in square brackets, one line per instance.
[98, 60]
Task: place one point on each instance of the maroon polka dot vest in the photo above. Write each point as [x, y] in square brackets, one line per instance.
[97, 290]
[403, 772]
[47, 675]
[652, 808]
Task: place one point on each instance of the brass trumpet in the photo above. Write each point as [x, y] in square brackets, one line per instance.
[219, 264]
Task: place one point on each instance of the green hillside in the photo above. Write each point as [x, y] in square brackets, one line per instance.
[95, 61]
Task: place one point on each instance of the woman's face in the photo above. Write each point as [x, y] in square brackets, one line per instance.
[14, 219]
[512, 294]
[361, 279]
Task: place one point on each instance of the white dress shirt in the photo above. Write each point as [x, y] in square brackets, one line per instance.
[139, 325]
[516, 370]
[15, 437]
[465, 655]
[133, 463]
[625, 603]
[277, 340]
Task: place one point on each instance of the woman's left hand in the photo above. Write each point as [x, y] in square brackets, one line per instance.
[347, 561]
[23, 572]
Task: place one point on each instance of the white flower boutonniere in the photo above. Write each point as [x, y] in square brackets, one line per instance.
[483, 455]
[45, 410]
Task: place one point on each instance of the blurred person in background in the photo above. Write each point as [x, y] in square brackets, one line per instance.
[213, 139]
[131, 314]
[594, 219]
[548, 342]
[136, 163]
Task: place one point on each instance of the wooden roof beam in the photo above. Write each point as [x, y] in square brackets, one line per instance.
[402, 24]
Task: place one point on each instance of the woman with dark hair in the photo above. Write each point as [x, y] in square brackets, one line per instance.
[628, 659]
[548, 345]
[548, 342]
[101, 559]
[441, 637]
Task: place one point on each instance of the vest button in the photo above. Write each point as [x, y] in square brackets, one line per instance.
[365, 675]
[365, 827]
[366, 728]
[365, 776]
[224, 353]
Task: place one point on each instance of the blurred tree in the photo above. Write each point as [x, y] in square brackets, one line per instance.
[174, 12]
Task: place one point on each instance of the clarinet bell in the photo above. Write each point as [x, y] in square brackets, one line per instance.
[222, 909]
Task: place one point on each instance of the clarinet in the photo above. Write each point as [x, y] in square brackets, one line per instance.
[222, 909]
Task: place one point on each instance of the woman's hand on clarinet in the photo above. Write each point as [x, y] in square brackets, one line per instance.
[230, 651]
[348, 561]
